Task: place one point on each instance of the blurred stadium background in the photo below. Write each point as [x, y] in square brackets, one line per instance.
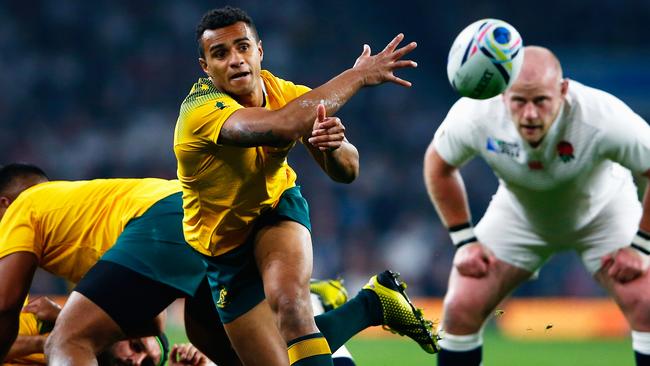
[92, 89]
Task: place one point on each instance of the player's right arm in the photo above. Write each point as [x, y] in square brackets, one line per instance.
[447, 192]
[446, 188]
[16, 274]
[258, 126]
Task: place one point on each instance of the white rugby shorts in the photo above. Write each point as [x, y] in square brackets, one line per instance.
[516, 241]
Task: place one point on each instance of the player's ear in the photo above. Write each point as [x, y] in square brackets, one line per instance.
[4, 202]
[204, 65]
[564, 87]
[260, 49]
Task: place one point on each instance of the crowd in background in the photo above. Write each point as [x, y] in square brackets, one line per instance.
[92, 90]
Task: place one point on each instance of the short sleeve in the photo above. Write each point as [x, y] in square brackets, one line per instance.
[201, 120]
[18, 229]
[454, 138]
[627, 138]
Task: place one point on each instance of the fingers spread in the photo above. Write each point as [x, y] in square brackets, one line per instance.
[390, 47]
[404, 50]
[400, 81]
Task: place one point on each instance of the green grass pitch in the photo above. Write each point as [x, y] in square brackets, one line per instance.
[498, 351]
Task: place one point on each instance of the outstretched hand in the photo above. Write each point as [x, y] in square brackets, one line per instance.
[380, 68]
[328, 133]
[473, 260]
[625, 265]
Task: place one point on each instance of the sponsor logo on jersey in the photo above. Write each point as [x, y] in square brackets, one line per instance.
[565, 151]
[511, 149]
[221, 105]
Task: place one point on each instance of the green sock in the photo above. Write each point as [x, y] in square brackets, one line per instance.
[309, 350]
[342, 323]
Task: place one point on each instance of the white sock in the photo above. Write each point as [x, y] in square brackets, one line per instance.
[641, 342]
[461, 343]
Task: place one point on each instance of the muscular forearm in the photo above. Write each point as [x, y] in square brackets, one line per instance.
[258, 126]
[26, 345]
[446, 190]
[342, 164]
[9, 330]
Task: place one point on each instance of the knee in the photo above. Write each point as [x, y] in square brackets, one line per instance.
[293, 309]
[636, 308]
[52, 343]
[462, 316]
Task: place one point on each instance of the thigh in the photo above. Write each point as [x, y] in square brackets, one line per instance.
[256, 338]
[205, 330]
[283, 253]
[633, 298]
[130, 299]
[469, 301]
[82, 320]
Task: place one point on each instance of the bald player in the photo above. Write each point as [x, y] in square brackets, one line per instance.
[563, 153]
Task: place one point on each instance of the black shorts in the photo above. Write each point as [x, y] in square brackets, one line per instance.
[131, 299]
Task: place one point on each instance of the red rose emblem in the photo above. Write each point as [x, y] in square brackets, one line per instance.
[565, 151]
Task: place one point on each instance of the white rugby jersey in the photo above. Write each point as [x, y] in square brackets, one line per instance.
[565, 181]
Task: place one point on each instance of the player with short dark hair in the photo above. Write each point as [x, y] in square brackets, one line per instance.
[219, 18]
[244, 211]
[563, 153]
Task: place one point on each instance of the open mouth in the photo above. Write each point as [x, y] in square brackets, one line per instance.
[239, 75]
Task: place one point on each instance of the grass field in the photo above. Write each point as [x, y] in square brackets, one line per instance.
[498, 351]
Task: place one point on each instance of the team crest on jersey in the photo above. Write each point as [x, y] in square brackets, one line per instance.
[565, 151]
[221, 105]
[511, 149]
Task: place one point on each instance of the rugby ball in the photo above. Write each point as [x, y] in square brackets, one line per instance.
[485, 59]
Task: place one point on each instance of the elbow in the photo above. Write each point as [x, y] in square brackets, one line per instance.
[346, 172]
[346, 178]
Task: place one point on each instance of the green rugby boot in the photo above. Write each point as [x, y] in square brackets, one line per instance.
[331, 293]
[399, 314]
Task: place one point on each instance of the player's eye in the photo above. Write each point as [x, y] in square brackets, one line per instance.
[219, 54]
[518, 101]
[244, 47]
[540, 101]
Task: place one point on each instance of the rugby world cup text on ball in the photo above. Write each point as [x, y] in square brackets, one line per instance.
[482, 84]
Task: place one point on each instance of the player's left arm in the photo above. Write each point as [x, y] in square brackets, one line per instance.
[16, 273]
[628, 143]
[26, 345]
[632, 262]
[331, 150]
[46, 311]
